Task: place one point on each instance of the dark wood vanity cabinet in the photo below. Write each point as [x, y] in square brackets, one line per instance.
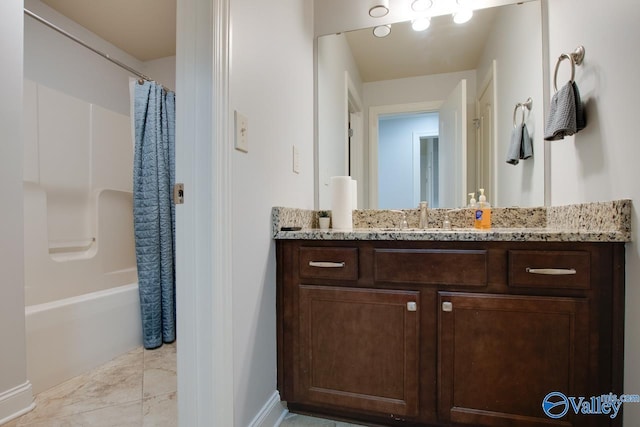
[448, 333]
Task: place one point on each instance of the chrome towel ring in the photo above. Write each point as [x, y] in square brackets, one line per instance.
[575, 58]
[522, 105]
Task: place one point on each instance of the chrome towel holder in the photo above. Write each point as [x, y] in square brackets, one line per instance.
[522, 105]
[575, 58]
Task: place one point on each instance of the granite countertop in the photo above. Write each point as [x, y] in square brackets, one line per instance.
[588, 222]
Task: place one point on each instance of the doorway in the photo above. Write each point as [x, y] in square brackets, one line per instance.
[402, 173]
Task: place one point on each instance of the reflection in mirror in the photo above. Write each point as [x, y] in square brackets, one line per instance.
[488, 65]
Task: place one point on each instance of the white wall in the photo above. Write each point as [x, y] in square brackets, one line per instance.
[515, 44]
[334, 59]
[271, 83]
[15, 391]
[162, 70]
[61, 64]
[601, 162]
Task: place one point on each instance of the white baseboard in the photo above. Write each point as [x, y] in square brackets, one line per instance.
[15, 402]
[271, 414]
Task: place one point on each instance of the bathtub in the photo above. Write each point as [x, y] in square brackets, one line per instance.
[81, 295]
[68, 337]
[82, 303]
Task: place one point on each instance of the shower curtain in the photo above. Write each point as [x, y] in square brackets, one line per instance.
[153, 210]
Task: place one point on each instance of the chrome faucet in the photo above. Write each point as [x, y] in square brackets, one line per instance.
[402, 224]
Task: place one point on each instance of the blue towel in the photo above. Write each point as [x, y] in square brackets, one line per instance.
[521, 147]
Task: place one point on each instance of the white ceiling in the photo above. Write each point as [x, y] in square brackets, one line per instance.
[146, 29]
[444, 47]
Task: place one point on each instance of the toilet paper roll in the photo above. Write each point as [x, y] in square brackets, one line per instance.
[354, 194]
[341, 202]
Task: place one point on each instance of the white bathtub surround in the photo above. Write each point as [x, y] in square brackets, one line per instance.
[77, 196]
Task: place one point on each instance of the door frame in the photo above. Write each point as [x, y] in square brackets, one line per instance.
[203, 222]
[489, 78]
[354, 157]
[374, 115]
[417, 184]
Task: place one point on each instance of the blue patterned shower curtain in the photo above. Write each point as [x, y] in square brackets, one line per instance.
[153, 210]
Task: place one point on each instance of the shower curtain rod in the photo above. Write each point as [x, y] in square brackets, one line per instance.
[80, 42]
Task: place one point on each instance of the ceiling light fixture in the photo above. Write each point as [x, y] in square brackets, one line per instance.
[421, 24]
[379, 8]
[382, 30]
[463, 14]
[420, 5]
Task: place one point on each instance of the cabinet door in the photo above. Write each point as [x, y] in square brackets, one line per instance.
[359, 349]
[500, 355]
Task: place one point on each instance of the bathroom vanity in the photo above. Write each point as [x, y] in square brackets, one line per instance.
[438, 328]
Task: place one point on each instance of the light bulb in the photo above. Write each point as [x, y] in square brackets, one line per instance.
[462, 15]
[420, 5]
[420, 24]
[379, 8]
[382, 30]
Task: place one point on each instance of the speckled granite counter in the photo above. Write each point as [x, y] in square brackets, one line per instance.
[588, 222]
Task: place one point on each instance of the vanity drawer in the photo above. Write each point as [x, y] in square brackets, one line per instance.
[431, 266]
[549, 269]
[328, 263]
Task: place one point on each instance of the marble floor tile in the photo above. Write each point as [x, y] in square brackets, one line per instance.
[114, 383]
[160, 371]
[160, 411]
[296, 420]
[127, 415]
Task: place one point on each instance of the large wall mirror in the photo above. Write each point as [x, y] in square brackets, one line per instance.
[428, 115]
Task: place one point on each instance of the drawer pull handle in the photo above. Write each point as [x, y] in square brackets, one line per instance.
[552, 271]
[326, 264]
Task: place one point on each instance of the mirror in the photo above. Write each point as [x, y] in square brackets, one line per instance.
[364, 83]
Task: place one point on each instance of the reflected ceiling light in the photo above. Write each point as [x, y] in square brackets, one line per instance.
[420, 5]
[382, 30]
[420, 24]
[463, 14]
[379, 8]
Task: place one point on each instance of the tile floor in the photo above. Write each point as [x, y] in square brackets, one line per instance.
[136, 389]
[294, 420]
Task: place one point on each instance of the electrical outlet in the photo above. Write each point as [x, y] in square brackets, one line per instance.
[296, 160]
[242, 130]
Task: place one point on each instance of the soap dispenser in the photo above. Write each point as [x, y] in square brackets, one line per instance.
[472, 200]
[483, 212]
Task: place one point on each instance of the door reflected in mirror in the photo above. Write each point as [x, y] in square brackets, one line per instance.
[362, 79]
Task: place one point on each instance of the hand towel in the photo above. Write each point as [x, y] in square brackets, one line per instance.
[521, 146]
[566, 115]
[581, 118]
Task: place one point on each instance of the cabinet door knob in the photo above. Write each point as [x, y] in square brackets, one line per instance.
[447, 306]
[552, 271]
[326, 264]
[412, 306]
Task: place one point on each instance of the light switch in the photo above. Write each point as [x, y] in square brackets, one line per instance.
[242, 130]
[296, 160]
